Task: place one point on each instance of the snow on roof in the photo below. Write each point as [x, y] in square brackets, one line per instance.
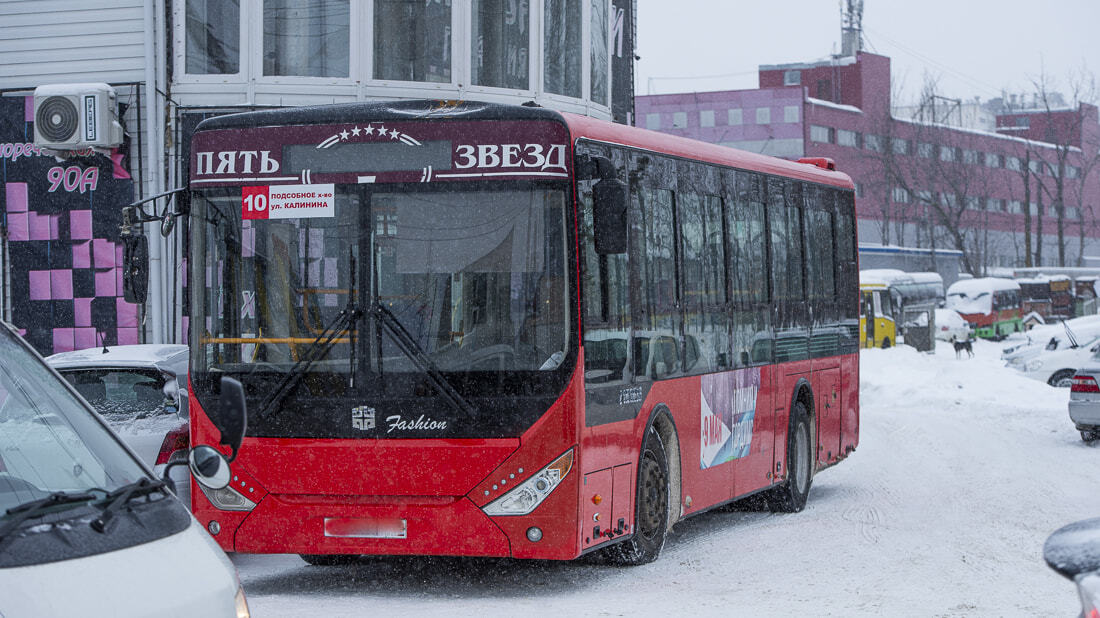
[824, 103]
[970, 287]
[143, 355]
[1011, 138]
[881, 276]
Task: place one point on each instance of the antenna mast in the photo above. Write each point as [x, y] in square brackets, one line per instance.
[851, 27]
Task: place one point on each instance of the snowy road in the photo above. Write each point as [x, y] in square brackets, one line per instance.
[963, 469]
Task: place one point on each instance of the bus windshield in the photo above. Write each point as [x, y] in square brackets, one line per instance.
[467, 280]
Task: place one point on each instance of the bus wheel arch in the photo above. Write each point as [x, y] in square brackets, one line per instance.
[787, 497]
[658, 463]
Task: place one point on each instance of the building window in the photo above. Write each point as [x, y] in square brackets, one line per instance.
[949, 199]
[734, 117]
[213, 31]
[679, 120]
[763, 115]
[501, 44]
[792, 78]
[1015, 207]
[973, 203]
[412, 40]
[820, 134]
[924, 197]
[901, 195]
[1023, 121]
[1036, 167]
[1072, 212]
[970, 157]
[872, 142]
[995, 205]
[561, 47]
[859, 189]
[947, 153]
[1072, 171]
[790, 113]
[706, 118]
[844, 137]
[993, 160]
[925, 150]
[308, 39]
[899, 146]
[1014, 164]
[653, 121]
[600, 44]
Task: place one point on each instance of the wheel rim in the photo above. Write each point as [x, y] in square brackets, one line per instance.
[801, 458]
[654, 496]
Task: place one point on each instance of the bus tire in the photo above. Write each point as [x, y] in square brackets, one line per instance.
[1088, 436]
[790, 496]
[651, 506]
[885, 343]
[1062, 378]
[329, 559]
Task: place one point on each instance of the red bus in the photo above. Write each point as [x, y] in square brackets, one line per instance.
[484, 330]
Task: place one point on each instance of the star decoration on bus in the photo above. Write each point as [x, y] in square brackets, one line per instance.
[370, 130]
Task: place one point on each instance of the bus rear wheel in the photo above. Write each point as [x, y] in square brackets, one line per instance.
[790, 497]
[652, 506]
[885, 343]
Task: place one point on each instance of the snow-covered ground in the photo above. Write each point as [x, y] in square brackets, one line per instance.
[963, 469]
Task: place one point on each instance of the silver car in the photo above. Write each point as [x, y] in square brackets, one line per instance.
[141, 391]
[1084, 399]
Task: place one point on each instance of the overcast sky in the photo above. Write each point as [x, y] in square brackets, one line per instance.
[974, 47]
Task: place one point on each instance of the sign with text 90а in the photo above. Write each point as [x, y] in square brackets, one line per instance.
[288, 201]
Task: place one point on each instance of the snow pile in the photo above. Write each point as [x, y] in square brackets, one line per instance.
[963, 470]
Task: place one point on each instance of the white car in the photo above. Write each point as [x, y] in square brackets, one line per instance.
[85, 529]
[951, 326]
[1053, 337]
[1084, 399]
[141, 391]
[1056, 367]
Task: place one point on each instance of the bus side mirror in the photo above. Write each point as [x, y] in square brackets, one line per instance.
[135, 268]
[232, 415]
[609, 201]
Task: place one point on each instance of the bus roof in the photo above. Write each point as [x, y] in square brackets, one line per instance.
[893, 276]
[603, 131]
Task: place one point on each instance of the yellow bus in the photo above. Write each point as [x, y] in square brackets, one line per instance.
[877, 328]
[895, 297]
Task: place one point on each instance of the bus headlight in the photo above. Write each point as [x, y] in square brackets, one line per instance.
[227, 498]
[530, 493]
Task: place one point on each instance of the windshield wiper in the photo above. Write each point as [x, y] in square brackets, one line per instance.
[317, 350]
[119, 497]
[57, 501]
[411, 349]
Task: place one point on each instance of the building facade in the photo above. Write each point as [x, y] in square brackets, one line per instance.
[1025, 193]
[173, 63]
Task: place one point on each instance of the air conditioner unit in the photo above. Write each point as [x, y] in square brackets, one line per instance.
[75, 117]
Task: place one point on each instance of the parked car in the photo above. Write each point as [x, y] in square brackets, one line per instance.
[141, 391]
[1057, 366]
[1060, 335]
[1073, 552]
[1084, 399]
[85, 528]
[951, 326]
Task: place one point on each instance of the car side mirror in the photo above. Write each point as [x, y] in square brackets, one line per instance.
[209, 467]
[232, 415]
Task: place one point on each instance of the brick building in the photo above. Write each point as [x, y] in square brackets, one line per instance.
[929, 182]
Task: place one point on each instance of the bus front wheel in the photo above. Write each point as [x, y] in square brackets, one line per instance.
[790, 497]
[651, 516]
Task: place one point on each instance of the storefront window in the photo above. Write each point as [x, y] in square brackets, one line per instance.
[412, 40]
[500, 44]
[306, 37]
[600, 31]
[562, 47]
[213, 37]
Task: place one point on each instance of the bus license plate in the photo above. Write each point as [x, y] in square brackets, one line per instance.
[366, 528]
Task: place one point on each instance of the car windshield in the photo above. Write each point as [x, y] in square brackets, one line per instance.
[49, 440]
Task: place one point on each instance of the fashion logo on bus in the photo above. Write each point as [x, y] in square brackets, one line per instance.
[727, 404]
